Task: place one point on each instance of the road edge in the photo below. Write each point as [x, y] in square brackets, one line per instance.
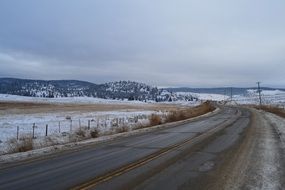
[53, 150]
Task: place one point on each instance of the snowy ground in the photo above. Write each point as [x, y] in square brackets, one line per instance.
[86, 100]
[66, 122]
[61, 123]
[279, 124]
[204, 96]
[78, 100]
[268, 97]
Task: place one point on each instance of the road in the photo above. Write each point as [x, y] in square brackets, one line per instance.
[233, 149]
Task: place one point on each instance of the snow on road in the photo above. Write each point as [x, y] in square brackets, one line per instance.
[260, 163]
[279, 125]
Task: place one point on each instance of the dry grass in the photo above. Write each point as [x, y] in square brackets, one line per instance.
[81, 132]
[94, 133]
[122, 129]
[24, 144]
[178, 115]
[155, 120]
[32, 107]
[190, 112]
[272, 109]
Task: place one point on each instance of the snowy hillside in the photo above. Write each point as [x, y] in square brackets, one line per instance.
[121, 90]
[269, 97]
[128, 90]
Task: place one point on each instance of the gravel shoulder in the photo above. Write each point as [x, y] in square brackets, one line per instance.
[257, 162]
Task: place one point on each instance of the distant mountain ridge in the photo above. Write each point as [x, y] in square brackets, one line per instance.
[222, 91]
[112, 90]
[73, 88]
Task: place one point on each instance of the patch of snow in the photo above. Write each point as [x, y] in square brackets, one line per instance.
[279, 124]
[74, 100]
[268, 97]
[205, 96]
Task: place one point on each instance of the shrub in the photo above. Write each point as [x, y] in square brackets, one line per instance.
[190, 112]
[81, 132]
[122, 129]
[24, 144]
[94, 133]
[272, 109]
[155, 120]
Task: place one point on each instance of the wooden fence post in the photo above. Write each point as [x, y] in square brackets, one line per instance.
[34, 125]
[70, 125]
[17, 132]
[59, 127]
[88, 124]
[46, 129]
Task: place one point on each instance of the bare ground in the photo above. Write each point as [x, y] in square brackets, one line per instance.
[30, 107]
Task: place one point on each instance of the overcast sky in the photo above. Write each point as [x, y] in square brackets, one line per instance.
[202, 43]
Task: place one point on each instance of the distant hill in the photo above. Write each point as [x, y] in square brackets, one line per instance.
[42, 88]
[73, 88]
[222, 91]
[113, 90]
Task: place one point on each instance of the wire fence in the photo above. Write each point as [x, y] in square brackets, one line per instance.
[69, 126]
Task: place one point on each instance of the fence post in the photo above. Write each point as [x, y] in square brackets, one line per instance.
[46, 129]
[79, 124]
[17, 132]
[70, 125]
[88, 124]
[34, 125]
[59, 127]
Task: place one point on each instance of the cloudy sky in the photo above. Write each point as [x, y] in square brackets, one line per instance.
[195, 43]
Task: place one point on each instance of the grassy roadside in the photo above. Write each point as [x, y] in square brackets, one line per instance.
[272, 109]
[182, 114]
[27, 143]
[190, 112]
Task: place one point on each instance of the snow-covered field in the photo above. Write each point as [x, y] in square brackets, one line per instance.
[204, 96]
[268, 97]
[78, 100]
[60, 123]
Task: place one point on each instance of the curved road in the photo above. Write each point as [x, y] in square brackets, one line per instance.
[214, 152]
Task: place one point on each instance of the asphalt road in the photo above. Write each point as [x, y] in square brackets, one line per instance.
[189, 156]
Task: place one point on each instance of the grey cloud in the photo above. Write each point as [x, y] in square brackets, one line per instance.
[164, 42]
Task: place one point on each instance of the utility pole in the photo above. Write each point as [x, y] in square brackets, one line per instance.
[259, 92]
[231, 94]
